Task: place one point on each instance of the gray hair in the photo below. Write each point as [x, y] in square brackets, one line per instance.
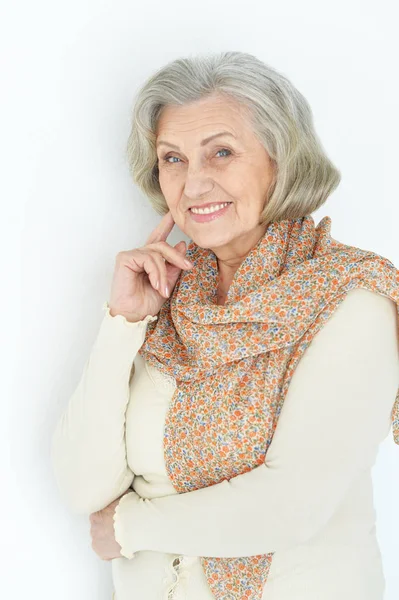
[280, 116]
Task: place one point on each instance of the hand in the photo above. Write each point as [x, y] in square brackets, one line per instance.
[103, 533]
[142, 274]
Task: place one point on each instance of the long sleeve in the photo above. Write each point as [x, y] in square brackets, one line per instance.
[336, 412]
[88, 450]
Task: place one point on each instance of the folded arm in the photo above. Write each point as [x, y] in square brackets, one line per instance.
[336, 412]
[88, 449]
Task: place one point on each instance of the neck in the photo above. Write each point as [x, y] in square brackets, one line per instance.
[231, 255]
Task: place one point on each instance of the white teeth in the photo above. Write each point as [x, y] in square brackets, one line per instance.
[209, 209]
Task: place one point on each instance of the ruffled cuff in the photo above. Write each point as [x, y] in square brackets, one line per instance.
[120, 531]
[122, 319]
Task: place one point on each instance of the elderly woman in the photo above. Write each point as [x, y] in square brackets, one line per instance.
[224, 429]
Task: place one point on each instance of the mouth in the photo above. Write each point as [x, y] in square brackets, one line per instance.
[209, 214]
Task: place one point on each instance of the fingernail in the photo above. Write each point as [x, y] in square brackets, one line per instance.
[167, 290]
[188, 263]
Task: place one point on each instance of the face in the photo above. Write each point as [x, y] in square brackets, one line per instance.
[231, 168]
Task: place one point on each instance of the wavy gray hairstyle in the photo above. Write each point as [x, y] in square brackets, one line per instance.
[281, 118]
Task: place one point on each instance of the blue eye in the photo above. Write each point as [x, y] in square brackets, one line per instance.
[166, 158]
[224, 149]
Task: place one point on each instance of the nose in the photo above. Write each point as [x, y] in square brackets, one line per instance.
[197, 185]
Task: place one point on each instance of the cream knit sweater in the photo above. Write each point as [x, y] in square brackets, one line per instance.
[319, 520]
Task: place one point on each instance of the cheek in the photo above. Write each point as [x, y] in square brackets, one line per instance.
[171, 192]
[248, 207]
[242, 185]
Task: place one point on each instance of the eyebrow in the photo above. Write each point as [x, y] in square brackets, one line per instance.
[203, 142]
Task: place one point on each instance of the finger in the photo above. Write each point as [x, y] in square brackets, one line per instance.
[162, 230]
[181, 246]
[166, 280]
[163, 278]
[154, 271]
[171, 254]
[146, 261]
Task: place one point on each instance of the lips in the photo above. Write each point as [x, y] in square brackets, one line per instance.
[206, 217]
[208, 205]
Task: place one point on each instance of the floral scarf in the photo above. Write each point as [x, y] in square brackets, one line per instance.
[233, 363]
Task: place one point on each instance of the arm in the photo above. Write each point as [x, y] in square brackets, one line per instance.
[336, 412]
[88, 451]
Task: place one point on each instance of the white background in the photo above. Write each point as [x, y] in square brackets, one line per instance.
[68, 74]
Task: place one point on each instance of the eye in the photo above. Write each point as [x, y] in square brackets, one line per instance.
[224, 149]
[166, 158]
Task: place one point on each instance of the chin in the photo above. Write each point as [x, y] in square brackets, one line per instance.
[210, 240]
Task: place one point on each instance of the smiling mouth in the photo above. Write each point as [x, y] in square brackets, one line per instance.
[209, 216]
[209, 208]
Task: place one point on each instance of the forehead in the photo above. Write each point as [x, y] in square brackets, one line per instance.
[205, 116]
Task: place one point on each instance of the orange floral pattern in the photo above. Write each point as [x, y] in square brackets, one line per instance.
[233, 363]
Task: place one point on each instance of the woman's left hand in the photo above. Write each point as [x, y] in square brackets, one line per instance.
[103, 533]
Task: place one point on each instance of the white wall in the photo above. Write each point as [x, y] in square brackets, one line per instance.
[69, 72]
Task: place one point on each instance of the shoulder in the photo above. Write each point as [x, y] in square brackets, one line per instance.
[368, 301]
[354, 357]
[360, 335]
[343, 388]
[364, 316]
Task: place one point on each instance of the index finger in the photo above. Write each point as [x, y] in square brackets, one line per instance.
[162, 230]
